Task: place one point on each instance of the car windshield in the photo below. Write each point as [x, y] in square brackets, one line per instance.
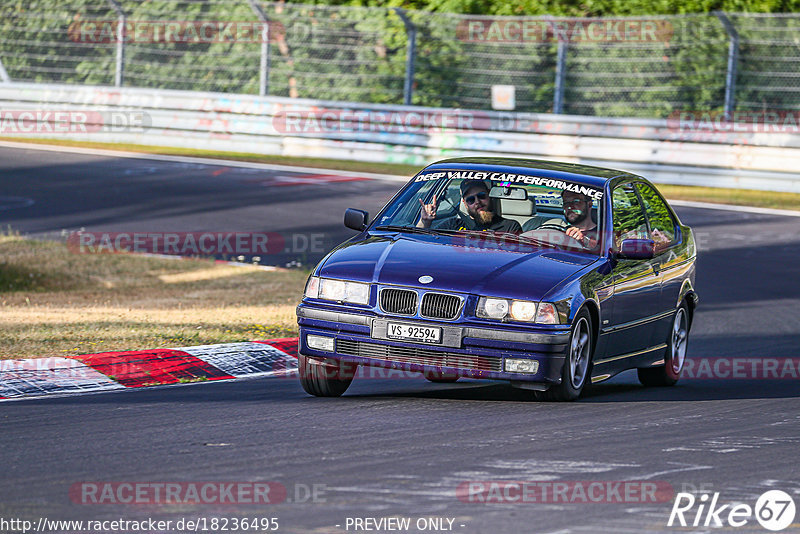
[506, 208]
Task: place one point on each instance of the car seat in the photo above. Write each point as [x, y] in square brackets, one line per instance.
[516, 210]
[524, 212]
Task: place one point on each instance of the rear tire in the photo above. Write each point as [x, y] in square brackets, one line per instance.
[577, 364]
[323, 380]
[675, 355]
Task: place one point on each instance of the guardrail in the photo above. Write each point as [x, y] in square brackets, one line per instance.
[661, 149]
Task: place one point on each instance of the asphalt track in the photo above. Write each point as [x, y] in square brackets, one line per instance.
[401, 446]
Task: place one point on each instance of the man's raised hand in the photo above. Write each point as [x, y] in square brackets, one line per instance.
[427, 213]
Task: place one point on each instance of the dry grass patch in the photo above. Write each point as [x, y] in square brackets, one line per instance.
[57, 303]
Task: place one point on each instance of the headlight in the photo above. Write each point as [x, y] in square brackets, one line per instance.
[338, 290]
[517, 310]
[492, 308]
[357, 293]
[332, 289]
[523, 310]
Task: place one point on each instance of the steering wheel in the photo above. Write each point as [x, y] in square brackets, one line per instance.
[542, 233]
[551, 226]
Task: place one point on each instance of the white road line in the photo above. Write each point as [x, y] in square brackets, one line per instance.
[687, 467]
[15, 203]
[203, 161]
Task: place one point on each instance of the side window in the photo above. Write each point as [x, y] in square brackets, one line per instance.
[662, 225]
[629, 220]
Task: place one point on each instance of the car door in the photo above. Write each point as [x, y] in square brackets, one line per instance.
[669, 259]
[637, 283]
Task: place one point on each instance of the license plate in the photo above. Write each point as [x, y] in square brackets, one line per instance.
[426, 334]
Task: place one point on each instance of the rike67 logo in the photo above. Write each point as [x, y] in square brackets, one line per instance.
[774, 510]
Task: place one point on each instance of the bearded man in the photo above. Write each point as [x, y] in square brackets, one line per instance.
[577, 212]
[475, 196]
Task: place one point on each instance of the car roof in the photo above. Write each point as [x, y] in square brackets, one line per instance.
[585, 174]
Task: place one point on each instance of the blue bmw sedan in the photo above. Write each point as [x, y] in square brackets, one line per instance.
[547, 275]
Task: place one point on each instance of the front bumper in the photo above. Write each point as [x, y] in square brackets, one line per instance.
[467, 349]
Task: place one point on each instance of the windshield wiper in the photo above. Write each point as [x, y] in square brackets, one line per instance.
[501, 237]
[488, 236]
[532, 240]
[409, 229]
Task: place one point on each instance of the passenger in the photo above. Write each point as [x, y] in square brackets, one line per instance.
[579, 224]
[475, 195]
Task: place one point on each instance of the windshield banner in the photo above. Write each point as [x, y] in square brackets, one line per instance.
[512, 178]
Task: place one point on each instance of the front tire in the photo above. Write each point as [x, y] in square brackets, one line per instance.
[575, 372]
[677, 342]
[323, 380]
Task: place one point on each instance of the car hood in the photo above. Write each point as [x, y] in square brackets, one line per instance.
[456, 263]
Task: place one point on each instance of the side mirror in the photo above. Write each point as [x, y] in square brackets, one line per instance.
[637, 249]
[355, 219]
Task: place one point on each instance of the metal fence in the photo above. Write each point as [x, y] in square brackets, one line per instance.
[643, 67]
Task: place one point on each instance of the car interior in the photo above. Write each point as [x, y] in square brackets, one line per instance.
[510, 203]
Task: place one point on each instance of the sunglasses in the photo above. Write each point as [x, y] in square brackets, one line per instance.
[479, 196]
[574, 202]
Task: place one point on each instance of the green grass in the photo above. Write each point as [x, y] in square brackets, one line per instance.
[742, 197]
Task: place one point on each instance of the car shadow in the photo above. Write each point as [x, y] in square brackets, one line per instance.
[624, 391]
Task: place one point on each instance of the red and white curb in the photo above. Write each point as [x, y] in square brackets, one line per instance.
[107, 371]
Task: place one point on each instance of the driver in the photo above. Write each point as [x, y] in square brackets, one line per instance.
[579, 224]
[577, 212]
[475, 196]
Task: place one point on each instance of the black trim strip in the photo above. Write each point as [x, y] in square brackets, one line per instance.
[637, 322]
[338, 317]
[631, 354]
[519, 337]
